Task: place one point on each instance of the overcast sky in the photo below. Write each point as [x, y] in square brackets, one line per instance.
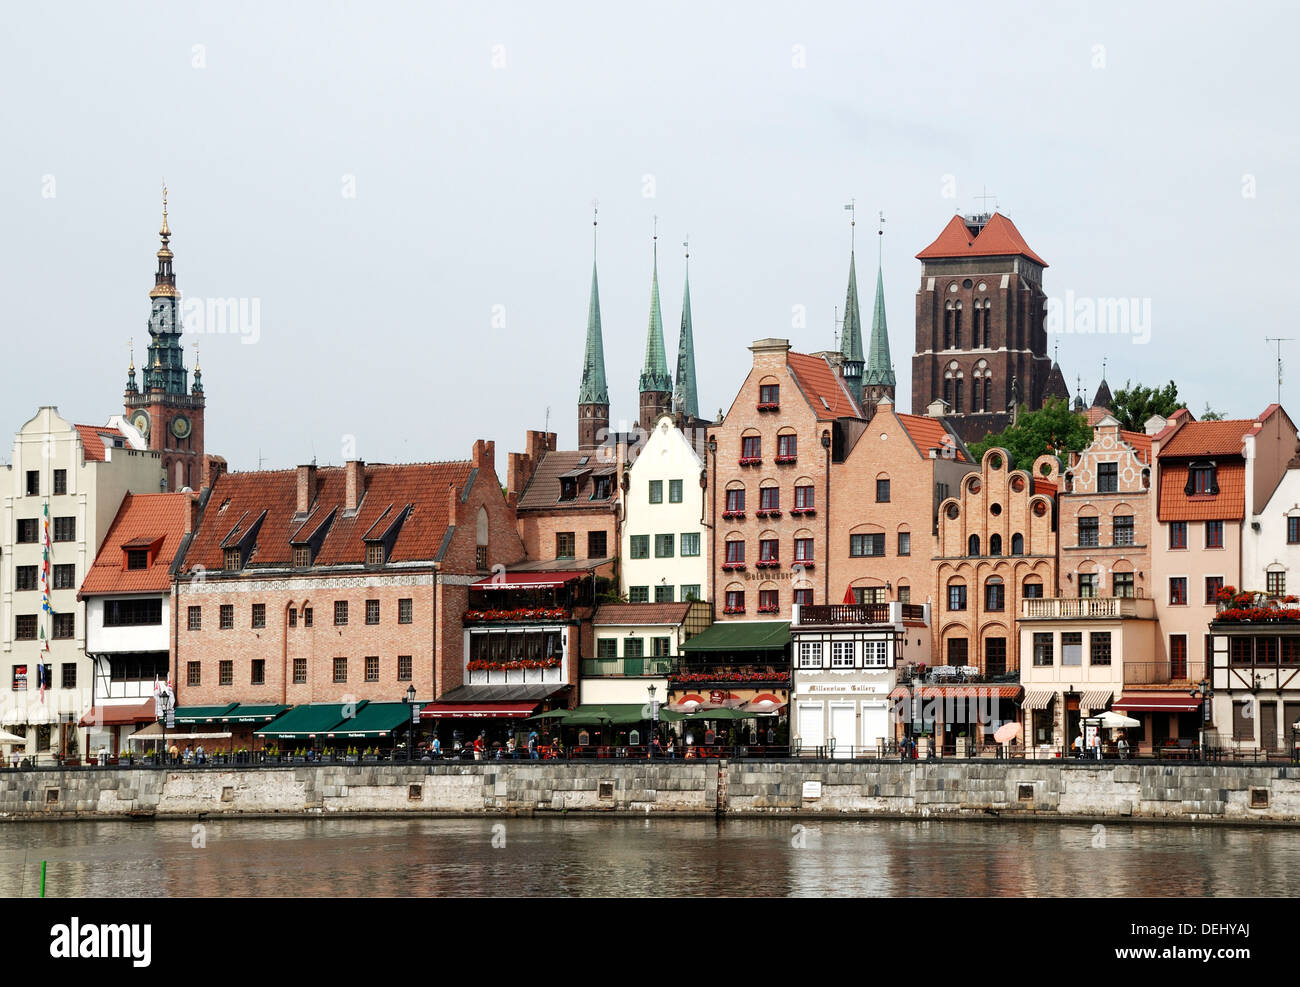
[401, 193]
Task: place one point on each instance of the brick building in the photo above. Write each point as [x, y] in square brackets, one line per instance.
[337, 583]
[981, 337]
[769, 467]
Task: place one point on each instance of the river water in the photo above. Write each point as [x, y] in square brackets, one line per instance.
[636, 857]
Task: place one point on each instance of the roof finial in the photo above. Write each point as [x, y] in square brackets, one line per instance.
[1103, 368]
[130, 345]
[164, 232]
[880, 241]
[853, 221]
[196, 357]
[1056, 351]
[595, 210]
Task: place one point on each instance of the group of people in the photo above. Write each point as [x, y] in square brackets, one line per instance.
[190, 755]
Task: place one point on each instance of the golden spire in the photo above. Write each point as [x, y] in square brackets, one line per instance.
[164, 232]
[196, 358]
[131, 346]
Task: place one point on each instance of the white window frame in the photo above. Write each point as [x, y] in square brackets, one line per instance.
[810, 654]
[839, 658]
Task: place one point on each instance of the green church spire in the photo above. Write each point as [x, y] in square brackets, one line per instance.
[685, 393]
[851, 338]
[880, 369]
[654, 373]
[593, 389]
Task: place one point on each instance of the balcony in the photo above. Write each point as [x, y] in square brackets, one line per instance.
[626, 667]
[1162, 672]
[1088, 608]
[706, 675]
[857, 613]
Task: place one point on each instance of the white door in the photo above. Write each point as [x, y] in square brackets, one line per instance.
[875, 725]
[844, 723]
[812, 725]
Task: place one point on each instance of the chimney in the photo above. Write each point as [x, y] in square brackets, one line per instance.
[354, 484]
[191, 512]
[306, 487]
[453, 500]
[213, 467]
[484, 455]
[770, 354]
[937, 408]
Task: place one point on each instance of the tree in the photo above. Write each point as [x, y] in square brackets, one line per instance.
[1210, 415]
[1053, 429]
[1133, 404]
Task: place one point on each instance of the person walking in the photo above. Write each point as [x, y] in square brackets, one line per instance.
[436, 748]
[532, 745]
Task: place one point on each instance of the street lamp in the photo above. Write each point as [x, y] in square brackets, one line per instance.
[415, 721]
[1204, 694]
[166, 712]
[654, 720]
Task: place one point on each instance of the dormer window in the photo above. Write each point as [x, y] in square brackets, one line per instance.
[301, 557]
[376, 553]
[231, 561]
[568, 489]
[1202, 479]
[137, 558]
[601, 488]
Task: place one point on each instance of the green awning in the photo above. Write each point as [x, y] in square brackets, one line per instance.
[608, 714]
[202, 714]
[551, 714]
[741, 636]
[252, 714]
[306, 720]
[373, 720]
[707, 714]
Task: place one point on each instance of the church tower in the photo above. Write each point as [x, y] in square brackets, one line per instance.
[878, 383]
[656, 384]
[164, 407]
[685, 393]
[593, 394]
[851, 336]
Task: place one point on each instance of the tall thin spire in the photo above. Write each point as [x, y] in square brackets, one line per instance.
[851, 336]
[685, 393]
[654, 372]
[593, 389]
[880, 368]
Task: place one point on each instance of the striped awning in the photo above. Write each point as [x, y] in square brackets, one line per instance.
[1038, 700]
[1096, 700]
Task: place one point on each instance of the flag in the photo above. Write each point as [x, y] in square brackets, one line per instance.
[40, 678]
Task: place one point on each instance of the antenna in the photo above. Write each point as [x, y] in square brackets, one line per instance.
[985, 198]
[836, 331]
[595, 209]
[546, 427]
[1277, 341]
[260, 459]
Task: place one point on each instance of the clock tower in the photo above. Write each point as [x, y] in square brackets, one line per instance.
[165, 408]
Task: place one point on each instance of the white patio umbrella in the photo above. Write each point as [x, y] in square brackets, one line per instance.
[1117, 721]
[8, 738]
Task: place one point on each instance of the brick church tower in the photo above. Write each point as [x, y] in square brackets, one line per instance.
[981, 335]
[656, 391]
[164, 407]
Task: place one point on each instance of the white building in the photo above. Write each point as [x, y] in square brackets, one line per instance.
[638, 645]
[75, 476]
[664, 546]
[1270, 544]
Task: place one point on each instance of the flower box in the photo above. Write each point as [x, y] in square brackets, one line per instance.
[733, 566]
[806, 563]
[733, 609]
[751, 460]
[769, 406]
[768, 564]
[734, 515]
[767, 609]
[520, 613]
[784, 460]
[511, 665]
[804, 511]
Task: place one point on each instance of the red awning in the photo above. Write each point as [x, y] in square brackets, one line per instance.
[527, 580]
[973, 691]
[490, 711]
[116, 716]
[1158, 704]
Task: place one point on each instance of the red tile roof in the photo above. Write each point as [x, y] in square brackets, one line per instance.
[822, 386]
[1140, 441]
[543, 490]
[929, 433]
[142, 520]
[998, 238]
[623, 614]
[94, 438]
[1229, 504]
[1208, 439]
[239, 499]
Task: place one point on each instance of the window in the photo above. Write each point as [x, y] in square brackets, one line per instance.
[25, 577]
[1108, 478]
[33, 483]
[301, 557]
[1213, 534]
[751, 447]
[375, 553]
[663, 594]
[1274, 582]
[769, 394]
[1099, 647]
[69, 673]
[957, 596]
[340, 669]
[480, 557]
[842, 654]
[293, 616]
[1178, 534]
[1071, 648]
[1123, 584]
[65, 529]
[60, 482]
[306, 616]
[875, 654]
[768, 601]
[1123, 529]
[736, 551]
[958, 651]
[1088, 532]
[1178, 591]
[19, 678]
[803, 550]
[372, 668]
[638, 594]
[404, 610]
[1201, 480]
[735, 500]
[137, 558]
[568, 488]
[861, 546]
[803, 498]
[661, 647]
[230, 560]
[787, 446]
[1032, 590]
[403, 668]
[640, 546]
[300, 671]
[973, 545]
[597, 544]
[1293, 531]
[690, 591]
[803, 597]
[690, 544]
[904, 543]
[607, 647]
[735, 601]
[769, 550]
[1017, 544]
[656, 491]
[1178, 656]
[995, 656]
[664, 546]
[882, 491]
[995, 544]
[65, 576]
[225, 672]
[340, 613]
[257, 674]
[1087, 585]
[1212, 586]
[994, 595]
[132, 613]
[566, 544]
[869, 594]
[259, 614]
[1043, 649]
[372, 611]
[65, 626]
[905, 594]
[810, 654]
[633, 647]
[194, 618]
[601, 487]
[193, 673]
[27, 530]
[674, 491]
[769, 499]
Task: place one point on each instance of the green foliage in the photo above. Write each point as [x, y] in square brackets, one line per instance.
[1133, 404]
[1210, 415]
[1053, 429]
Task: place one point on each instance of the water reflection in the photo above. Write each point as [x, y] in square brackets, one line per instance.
[621, 857]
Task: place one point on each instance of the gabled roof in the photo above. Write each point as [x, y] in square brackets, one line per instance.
[142, 520]
[822, 387]
[245, 497]
[998, 238]
[543, 490]
[930, 433]
[1223, 438]
[1140, 441]
[629, 614]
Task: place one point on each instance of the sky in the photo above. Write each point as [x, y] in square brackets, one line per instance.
[399, 197]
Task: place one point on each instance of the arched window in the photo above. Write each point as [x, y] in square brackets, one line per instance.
[988, 384]
[973, 545]
[1017, 544]
[947, 326]
[956, 395]
[947, 391]
[956, 326]
[995, 544]
[975, 327]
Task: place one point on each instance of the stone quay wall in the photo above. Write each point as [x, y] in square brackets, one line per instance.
[1236, 793]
